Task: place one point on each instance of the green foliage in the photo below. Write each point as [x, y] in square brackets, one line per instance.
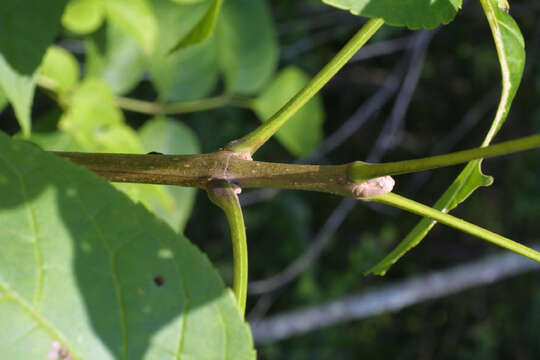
[19, 91]
[414, 14]
[135, 18]
[303, 132]
[199, 62]
[3, 100]
[168, 136]
[83, 266]
[203, 29]
[83, 16]
[248, 51]
[34, 22]
[115, 58]
[60, 67]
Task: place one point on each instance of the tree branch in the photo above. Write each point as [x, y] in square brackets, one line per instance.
[393, 297]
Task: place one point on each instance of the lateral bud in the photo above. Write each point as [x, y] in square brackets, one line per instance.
[374, 187]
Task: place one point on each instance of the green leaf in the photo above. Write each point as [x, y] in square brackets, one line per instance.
[189, 73]
[19, 90]
[168, 136]
[3, 99]
[511, 52]
[303, 132]
[28, 28]
[136, 18]
[187, 1]
[61, 67]
[95, 123]
[83, 16]
[114, 57]
[203, 29]
[414, 14]
[55, 141]
[85, 270]
[248, 47]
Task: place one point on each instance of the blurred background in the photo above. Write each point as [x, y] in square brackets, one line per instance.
[406, 94]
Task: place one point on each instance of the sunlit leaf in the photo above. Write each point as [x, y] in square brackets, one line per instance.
[60, 67]
[19, 91]
[86, 272]
[136, 18]
[3, 99]
[83, 16]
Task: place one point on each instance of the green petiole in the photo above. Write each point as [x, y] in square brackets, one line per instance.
[255, 139]
[224, 195]
[429, 212]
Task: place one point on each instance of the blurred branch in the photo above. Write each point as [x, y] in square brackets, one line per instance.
[363, 113]
[382, 48]
[388, 136]
[156, 108]
[309, 256]
[393, 297]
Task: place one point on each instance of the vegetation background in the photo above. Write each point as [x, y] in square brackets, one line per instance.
[450, 108]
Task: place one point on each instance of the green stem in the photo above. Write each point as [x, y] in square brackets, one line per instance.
[224, 195]
[360, 171]
[255, 139]
[153, 108]
[426, 211]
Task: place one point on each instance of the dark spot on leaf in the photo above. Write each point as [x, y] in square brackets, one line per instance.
[159, 280]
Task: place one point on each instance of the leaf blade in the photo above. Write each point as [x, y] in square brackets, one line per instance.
[414, 14]
[78, 234]
[248, 44]
[204, 28]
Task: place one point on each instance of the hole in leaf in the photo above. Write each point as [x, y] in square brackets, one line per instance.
[159, 280]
